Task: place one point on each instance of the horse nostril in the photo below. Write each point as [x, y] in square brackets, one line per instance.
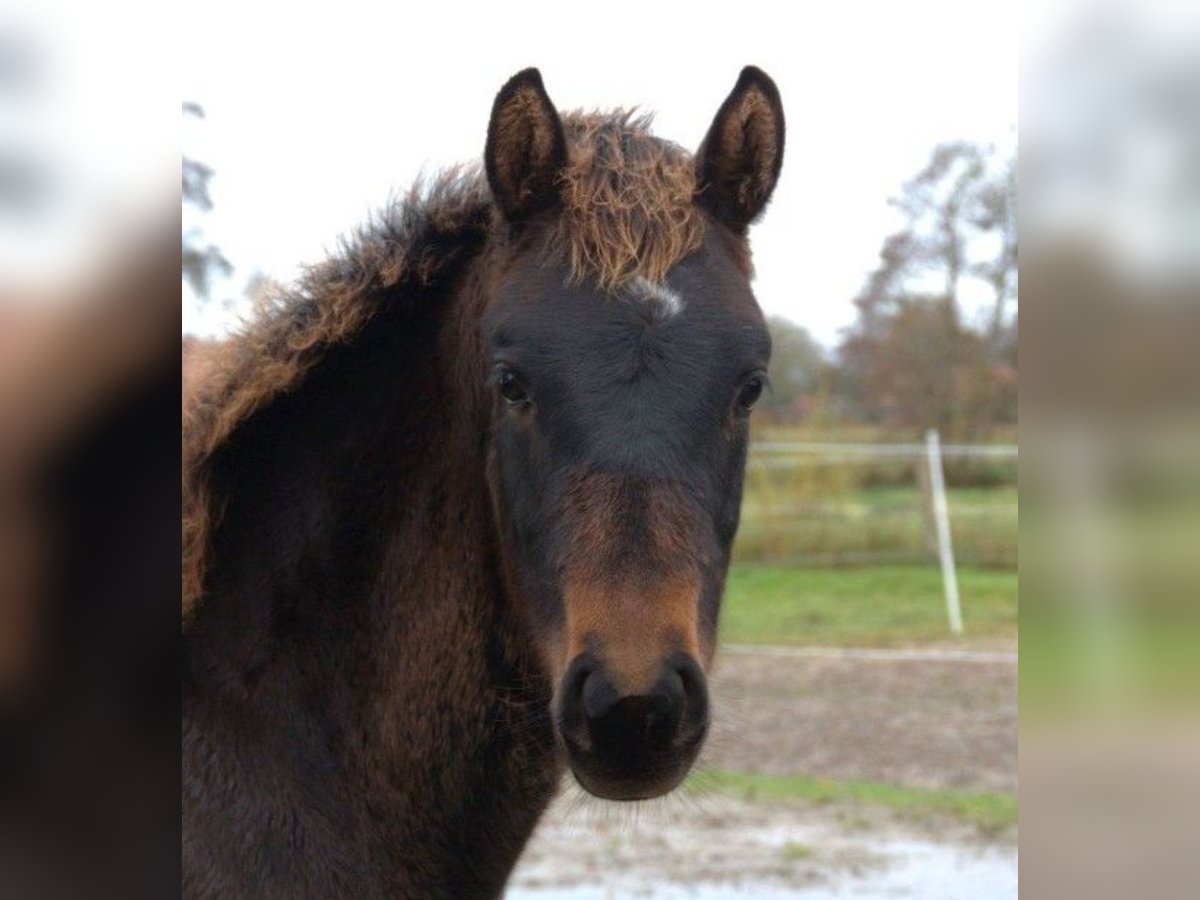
[688, 672]
[623, 724]
[570, 713]
[594, 716]
[599, 695]
[694, 691]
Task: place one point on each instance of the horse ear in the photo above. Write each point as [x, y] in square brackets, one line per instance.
[738, 164]
[526, 149]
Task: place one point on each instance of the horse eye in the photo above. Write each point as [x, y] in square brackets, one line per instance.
[750, 393]
[512, 387]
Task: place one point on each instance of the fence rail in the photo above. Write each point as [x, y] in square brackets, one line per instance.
[774, 449]
[835, 505]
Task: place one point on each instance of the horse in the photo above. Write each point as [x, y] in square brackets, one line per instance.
[458, 508]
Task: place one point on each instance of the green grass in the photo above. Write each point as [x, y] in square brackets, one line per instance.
[1140, 664]
[989, 812]
[792, 852]
[884, 606]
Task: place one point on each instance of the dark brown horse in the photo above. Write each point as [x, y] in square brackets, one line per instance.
[458, 510]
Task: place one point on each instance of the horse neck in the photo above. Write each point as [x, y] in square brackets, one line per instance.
[357, 521]
[355, 623]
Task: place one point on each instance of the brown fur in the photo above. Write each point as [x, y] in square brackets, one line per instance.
[525, 148]
[632, 626]
[291, 333]
[658, 518]
[627, 201]
[631, 619]
[750, 125]
[627, 210]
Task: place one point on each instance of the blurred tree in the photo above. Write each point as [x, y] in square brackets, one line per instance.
[797, 362]
[913, 357]
[996, 213]
[201, 257]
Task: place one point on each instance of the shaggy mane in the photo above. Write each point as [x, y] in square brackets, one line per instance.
[627, 210]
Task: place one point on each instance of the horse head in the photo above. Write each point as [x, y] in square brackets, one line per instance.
[624, 352]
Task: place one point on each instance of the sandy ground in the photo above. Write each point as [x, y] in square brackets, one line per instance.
[914, 723]
[917, 723]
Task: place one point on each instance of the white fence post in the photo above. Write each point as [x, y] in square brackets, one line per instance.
[941, 513]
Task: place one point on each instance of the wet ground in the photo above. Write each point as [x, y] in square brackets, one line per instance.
[917, 723]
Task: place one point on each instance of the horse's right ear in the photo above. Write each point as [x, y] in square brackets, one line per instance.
[526, 149]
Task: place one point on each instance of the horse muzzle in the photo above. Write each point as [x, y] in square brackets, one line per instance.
[631, 744]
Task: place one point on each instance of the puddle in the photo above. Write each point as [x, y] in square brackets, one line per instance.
[908, 869]
[737, 849]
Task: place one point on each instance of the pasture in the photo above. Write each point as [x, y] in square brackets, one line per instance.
[836, 551]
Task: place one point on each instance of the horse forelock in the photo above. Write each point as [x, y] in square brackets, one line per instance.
[628, 200]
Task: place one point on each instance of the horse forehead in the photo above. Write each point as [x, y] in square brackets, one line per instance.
[663, 301]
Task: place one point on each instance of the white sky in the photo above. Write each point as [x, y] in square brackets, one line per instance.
[315, 113]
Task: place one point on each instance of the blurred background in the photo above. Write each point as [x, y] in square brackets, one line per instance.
[1110, 429]
[89, 454]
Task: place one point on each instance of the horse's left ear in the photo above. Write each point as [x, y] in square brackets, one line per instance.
[526, 149]
[738, 164]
